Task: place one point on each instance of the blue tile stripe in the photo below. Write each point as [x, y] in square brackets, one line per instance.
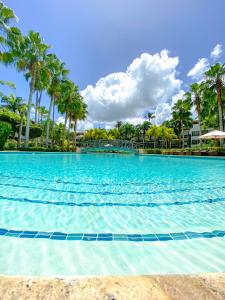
[169, 191]
[108, 204]
[111, 236]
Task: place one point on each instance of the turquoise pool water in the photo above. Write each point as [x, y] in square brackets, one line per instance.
[71, 214]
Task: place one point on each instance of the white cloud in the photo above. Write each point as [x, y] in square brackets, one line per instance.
[162, 113]
[178, 96]
[216, 52]
[197, 72]
[202, 65]
[149, 81]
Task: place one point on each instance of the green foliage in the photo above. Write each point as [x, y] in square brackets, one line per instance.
[96, 134]
[10, 117]
[11, 145]
[5, 129]
[35, 131]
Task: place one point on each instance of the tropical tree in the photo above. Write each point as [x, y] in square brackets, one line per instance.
[6, 16]
[166, 134]
[22, 111]
[43, 113]
[12, 102]
[181, 113]
[215, 80]
[96, 134]
[150, 116]
[65, 102]
[144, 127]
[28, 54]
[127, 131]
[58, 73]
[79, 113]
[119, 124]
[153, 132]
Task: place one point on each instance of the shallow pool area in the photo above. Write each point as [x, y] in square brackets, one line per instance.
[99, 214]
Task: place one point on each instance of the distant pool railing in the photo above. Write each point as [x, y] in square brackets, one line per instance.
[109, 146]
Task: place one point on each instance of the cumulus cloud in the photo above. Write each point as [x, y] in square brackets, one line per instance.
[202, 65]
[197, 72]
[147, 85]
[216, 52]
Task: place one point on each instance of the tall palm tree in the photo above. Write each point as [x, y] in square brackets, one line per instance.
[215, 79]
[196, 97]
[22, 111]
[181, 113]
[68, 90]
[58, 73]
[27, 53]
[79, 113]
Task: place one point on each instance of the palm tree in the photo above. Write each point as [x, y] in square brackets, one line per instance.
[215, 79]
[197, 92]
[150, 116]
[6, 16]
[167, 134]
[43, 112]
[182, 116]
[79, 113]
[27, 53]
[153, 132]
[12, 102]
[68, 90]
[8, 83]
[119, 124]
[58, 73]
[22, 111]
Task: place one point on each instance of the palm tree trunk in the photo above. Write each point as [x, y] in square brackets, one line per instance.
[53, 123]
[220, 109]
[200, 128]
[39, 105]
[63, 133]
[48, 121]
[20, 131]
[68, 140]
[36, 108]
[182, 133]
[28, 111]
[75, 135]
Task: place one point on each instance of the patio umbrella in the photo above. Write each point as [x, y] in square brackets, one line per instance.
[213, 135]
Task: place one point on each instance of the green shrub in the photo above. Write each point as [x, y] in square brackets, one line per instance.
[11, 145]
[35, 131]
[5, 129]
[10, 117]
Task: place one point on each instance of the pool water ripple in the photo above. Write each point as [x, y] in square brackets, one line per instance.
[110, 214]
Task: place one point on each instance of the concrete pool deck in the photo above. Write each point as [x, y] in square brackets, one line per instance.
[209, 286]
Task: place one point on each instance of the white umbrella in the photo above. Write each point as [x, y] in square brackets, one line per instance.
[213, 135]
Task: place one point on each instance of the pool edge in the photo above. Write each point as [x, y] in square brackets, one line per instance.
[196, 286]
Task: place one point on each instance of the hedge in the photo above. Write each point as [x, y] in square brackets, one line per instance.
[5, 129]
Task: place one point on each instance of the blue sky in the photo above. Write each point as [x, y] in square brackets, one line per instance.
[96, 38]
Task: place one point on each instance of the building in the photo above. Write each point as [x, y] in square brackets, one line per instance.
[192, 135]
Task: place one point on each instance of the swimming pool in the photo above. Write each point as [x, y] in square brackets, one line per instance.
[98, 214]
